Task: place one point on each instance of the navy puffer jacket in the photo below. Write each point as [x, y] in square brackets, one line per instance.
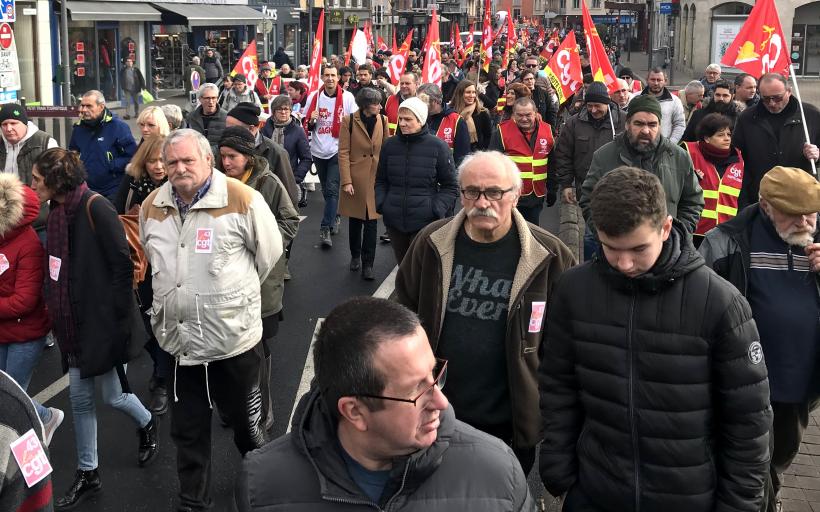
[416, 181]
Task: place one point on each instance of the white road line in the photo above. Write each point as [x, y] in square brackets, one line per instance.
[54, 389]
[384, 291]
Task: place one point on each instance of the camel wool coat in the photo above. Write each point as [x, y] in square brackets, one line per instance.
[358, 161]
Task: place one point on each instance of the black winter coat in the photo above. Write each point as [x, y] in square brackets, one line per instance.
[415, 181]
[762, 150]
[691, 132]
[654, 392]
[296, 145]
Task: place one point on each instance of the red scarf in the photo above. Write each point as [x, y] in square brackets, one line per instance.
[338, 110]
[713, 153]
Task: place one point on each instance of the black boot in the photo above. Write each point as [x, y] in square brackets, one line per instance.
[149, 442]
[159, 396]
[86, 483]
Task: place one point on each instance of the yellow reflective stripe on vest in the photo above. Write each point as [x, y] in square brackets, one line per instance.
[526, 175]
[521, 159]
[731, 191]
[540, 162]
[709, 214]
[727, 210]
[392, 126]
[539, 177]
[710, 194]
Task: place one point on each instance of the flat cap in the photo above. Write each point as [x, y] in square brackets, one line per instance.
[791, 190]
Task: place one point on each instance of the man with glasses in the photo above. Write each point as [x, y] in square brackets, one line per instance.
[772, 133]
[543, 103]
[642, 146]
[711, 75]
[208, 118]
[376, 432]
[480, 282]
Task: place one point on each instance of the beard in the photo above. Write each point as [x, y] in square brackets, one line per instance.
[801, 238]
[642, 145]
[720, 107]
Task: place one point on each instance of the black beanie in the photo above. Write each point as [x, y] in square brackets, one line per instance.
[246, 112]
[239, 139]
[596, 93]
[13, 111]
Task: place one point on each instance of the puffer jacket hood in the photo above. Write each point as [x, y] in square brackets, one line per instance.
[19, 206]
[678, 258]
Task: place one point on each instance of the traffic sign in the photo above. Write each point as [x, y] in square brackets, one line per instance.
[6, 36]
[666, 8]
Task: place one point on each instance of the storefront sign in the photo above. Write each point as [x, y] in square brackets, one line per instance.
[9, 68]
[723, 33]
[8, 96]
[8, 13]
[52, 111]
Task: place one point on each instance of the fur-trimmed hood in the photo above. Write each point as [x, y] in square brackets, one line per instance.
[19, 206]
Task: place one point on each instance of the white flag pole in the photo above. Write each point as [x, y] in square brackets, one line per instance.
[802, 116]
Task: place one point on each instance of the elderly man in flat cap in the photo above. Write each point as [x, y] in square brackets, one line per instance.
[770, 252]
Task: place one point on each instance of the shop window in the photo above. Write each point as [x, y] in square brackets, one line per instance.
[290, 40]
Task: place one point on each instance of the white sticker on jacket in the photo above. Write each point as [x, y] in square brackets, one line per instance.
[54, 264]
[31, 458]
[4, 263]
[537, 316]
[204, 240]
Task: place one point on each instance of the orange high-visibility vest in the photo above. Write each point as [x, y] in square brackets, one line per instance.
[447, 129]
[273, 89]
[531, 163]
[391, 110]
[719, 194]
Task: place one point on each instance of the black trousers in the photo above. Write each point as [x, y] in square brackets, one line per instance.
[400, 242]
[233, 385]
[788, 424]
[362, 237]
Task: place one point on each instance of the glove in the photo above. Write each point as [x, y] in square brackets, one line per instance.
[552, 196]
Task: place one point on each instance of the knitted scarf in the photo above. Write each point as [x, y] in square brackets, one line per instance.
[467, 115]
[713, 153]
[338, 109]
[57, 244]
[278, 135]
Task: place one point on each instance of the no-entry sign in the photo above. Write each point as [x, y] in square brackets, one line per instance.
[6, 36]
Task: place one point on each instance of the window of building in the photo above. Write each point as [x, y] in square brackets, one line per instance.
[576, 4]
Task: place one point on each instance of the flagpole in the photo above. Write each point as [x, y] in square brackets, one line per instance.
[802, 116]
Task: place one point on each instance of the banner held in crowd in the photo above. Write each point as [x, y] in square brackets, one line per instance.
[315, 74]
[564, 69]
[247, 65]
[431, 72]
[398, 62]
[598, 60]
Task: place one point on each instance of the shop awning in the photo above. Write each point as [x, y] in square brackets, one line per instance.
[109, 11]
[198, 15]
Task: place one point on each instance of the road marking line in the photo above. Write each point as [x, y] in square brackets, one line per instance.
[382, 292]
[54, 389]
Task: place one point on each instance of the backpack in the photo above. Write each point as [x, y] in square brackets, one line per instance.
[131, 225]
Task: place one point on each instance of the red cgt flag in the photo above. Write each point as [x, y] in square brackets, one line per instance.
[564, 69]
[382, 44]
[431, 73]
[512, 40]
[599, 62]
[398, 61]
[247, 64]
[314, 77]
[759, 47]
[487, 38]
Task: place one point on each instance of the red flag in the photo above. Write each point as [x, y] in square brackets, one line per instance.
[552, 44]
[398, 61]
[350, 46]
[368, 34]
[509, 50]
[541, 36]
[599, 62]
[458, 43]
[564, 69]
[314, 77]
[759, 47]
[247, 64]
[470, 40]
[487, 37]
[394, 49]
[431, 73]
[382, 44]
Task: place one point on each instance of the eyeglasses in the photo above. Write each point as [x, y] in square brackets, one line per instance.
[531, 65]
[772, 99]
[440, 373]
[491, 194]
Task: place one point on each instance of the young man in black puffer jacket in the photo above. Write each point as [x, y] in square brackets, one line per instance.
[654, 392]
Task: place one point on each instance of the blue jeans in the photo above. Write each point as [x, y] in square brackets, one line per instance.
[328, 171]
[19, 360]
[131, 98]
[81, 392]
[590, 244]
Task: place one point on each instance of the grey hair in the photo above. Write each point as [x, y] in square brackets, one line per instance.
[173, 114]
[367, 96]
[204, 87]
[195, 60]
[774, 77]
[693, 86]
[177, 136]
[713, 67]
[97, 95]
[493, 159]
[431, 91]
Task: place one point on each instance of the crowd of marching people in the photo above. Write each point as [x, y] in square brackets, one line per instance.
[658, 353]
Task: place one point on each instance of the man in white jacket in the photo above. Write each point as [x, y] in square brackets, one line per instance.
[210, 240]
[673, 120]
[22, 141]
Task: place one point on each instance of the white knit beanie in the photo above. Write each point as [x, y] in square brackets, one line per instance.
[417, 107]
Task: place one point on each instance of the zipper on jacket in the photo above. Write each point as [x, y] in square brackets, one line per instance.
[404, 191]
[370, 503]
[401, 487]
[632, 425]
[790, 259]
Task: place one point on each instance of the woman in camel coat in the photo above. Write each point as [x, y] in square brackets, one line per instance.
[360, 141]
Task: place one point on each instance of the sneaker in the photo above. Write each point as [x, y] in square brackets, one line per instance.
[126, 117]
[324, 236]
[51, 425]
[367, 273]
[336, 226]
[311, 187]
[50, 340]
[385, 238]
[355, 264]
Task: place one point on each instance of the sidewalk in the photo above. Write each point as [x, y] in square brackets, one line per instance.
[809, 87]
[801, 486]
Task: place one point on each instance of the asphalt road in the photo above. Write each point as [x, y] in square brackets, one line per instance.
[321, 280]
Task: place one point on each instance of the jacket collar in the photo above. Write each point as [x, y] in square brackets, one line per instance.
[216, 197]
[664, 145]
[532, 252]
[665, 95]
[314, 434]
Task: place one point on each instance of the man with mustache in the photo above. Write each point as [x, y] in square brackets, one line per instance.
[770, 252]
[376, 432]
[481, 282]
[642, 146]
